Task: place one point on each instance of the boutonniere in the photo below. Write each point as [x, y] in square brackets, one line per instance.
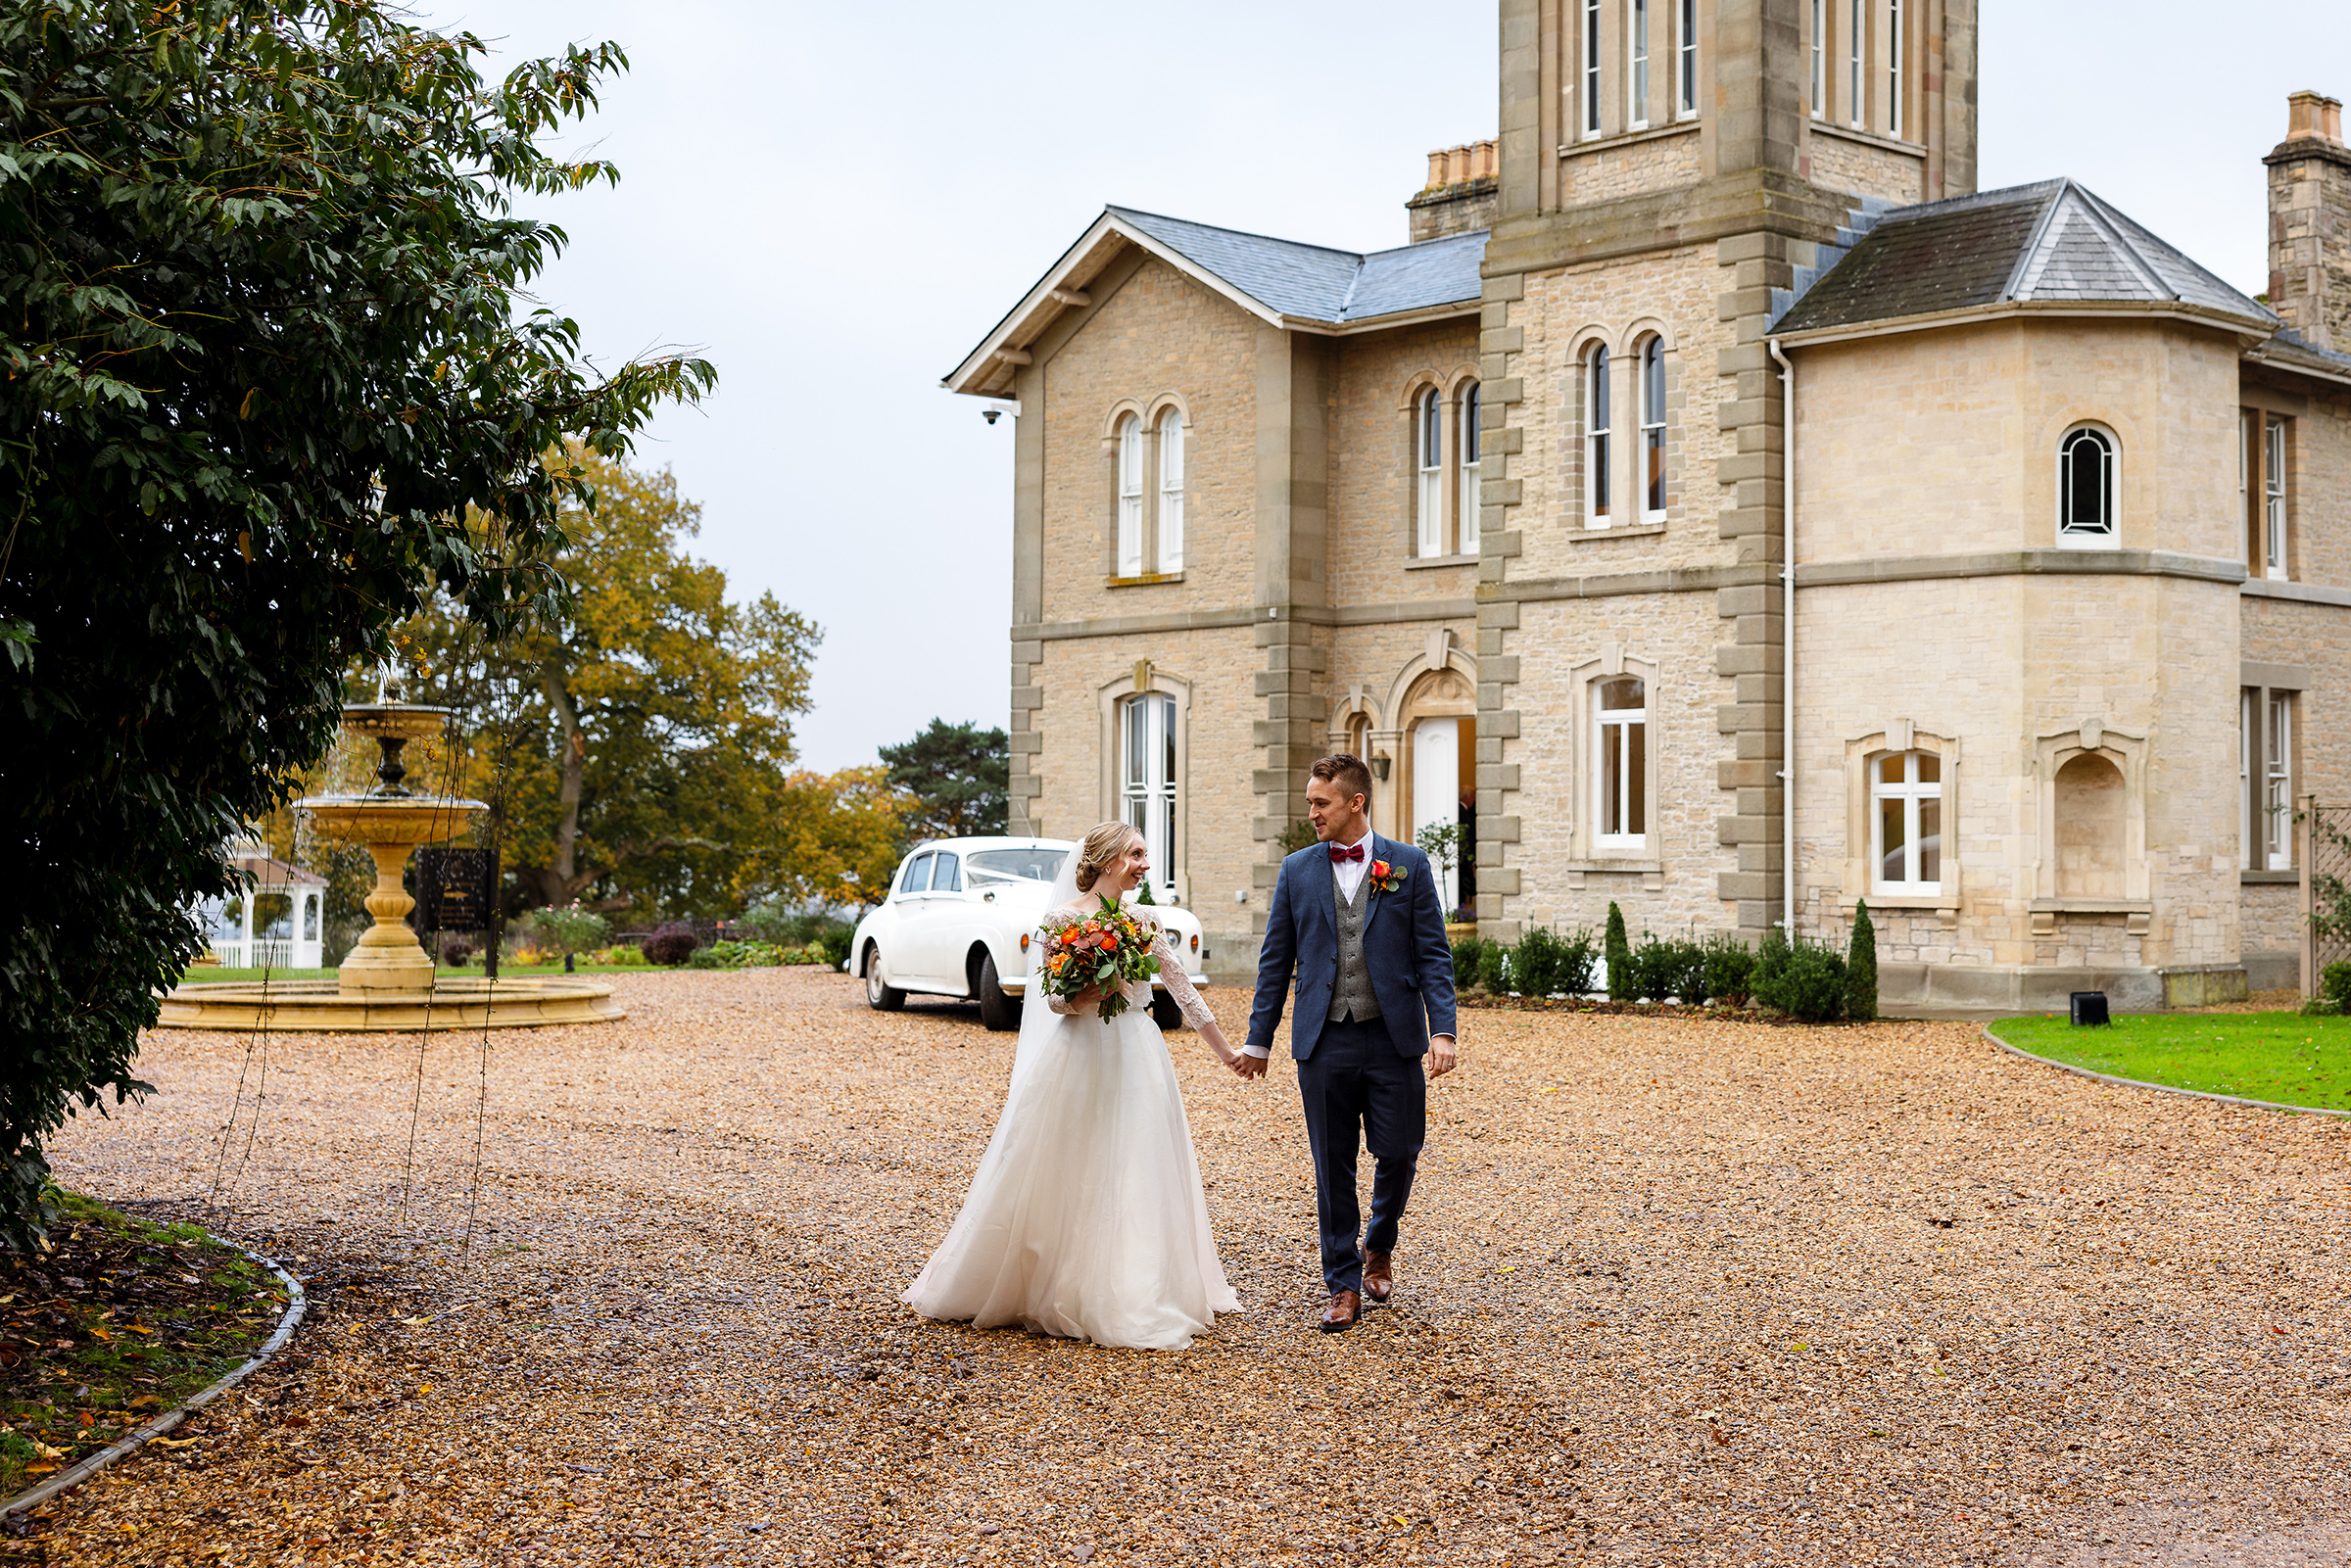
[1385, 876]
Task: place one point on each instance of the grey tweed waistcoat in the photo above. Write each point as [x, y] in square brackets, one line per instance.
[1352, 997]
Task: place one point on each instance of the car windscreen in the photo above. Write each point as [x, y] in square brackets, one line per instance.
[1025, 864]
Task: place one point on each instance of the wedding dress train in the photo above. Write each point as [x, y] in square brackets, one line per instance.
[1086, 1218]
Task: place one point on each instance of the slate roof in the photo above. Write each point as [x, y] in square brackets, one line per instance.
[2045, 242]
[1317, 283]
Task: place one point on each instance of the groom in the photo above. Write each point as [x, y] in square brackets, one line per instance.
[1359, 920]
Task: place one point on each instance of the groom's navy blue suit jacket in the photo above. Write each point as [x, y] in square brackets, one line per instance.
[1404, 947]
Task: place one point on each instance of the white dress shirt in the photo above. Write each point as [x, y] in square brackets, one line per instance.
[1350, 872]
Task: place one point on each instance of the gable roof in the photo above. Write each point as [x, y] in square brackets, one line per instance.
[2054, 245]
[1284, 283]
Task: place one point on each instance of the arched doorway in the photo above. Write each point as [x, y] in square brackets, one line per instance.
[1440, 726]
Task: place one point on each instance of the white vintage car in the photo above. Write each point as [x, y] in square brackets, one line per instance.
[958, 921]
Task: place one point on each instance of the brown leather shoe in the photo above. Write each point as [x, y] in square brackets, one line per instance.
[1340, 1316]
[1380, 1278]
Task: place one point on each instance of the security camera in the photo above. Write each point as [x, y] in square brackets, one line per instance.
[991, 415]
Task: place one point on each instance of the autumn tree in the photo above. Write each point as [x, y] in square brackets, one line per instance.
[637, 743]
[266, 342]
[959, 775]
[838, 837]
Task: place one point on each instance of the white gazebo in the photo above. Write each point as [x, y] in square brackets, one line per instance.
[289, 939]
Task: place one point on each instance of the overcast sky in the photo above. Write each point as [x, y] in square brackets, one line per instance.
[834, 203]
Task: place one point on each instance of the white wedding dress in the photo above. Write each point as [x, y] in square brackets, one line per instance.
[1086, 1218]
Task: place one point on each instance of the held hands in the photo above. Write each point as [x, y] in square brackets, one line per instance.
[1226, 1053]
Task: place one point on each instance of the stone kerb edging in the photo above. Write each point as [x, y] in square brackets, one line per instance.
[2161, 1088]
[297, 1303]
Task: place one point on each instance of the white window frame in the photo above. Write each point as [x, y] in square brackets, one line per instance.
[1820, 59]
[2244, 486]
[2278, 782]
[1858, 31]
[2273, 497]
[1636, 75]
[1131, 497]
[1147, 767]
[1472, 464]
[1651, 363]
[2109, 534]
[1913, 794]
[1428, 457]
[1630, 771]
[1685, 60]
[2247, 815]
[1171, 489]
[1598, 498]
[1894, 69]
[1592, 63]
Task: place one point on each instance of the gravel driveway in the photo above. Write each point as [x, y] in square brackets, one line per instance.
[1670, 1292]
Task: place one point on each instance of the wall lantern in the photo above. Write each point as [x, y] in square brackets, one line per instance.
[1379, 767]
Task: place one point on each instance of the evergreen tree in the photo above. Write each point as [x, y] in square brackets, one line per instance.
[960, 774]
[1861, 969]
[1620, 957]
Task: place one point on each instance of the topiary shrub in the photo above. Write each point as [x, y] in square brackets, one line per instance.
[1802, 978]
[1535, 965]
[2335, 985]
[1494, 968]
[670, 945]
[1730, 969]
[1618, 950]
[1861, 968]
[1466, 953]
[833, 943]
[1686, 967]
[1650, 970]
[1579, 962]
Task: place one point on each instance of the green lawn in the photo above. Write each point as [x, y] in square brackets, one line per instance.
[2283, 1057]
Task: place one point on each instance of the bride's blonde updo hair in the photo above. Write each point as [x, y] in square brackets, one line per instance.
[1102, 848]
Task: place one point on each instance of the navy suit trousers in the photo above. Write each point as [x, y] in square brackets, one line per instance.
[1358, 1084]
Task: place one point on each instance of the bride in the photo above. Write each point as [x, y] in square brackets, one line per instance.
[1086, 1217]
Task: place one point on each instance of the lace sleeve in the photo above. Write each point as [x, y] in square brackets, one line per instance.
[1179, 984]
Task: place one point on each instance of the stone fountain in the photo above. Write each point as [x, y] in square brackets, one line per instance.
[388, 982]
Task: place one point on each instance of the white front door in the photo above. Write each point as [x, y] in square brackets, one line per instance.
[1437, 791]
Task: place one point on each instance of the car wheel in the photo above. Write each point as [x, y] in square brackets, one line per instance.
[997, 1009]
[877, 996]
[1165, 1012]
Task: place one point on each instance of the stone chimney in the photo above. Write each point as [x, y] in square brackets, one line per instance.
[1464, 184]
[2309, 223]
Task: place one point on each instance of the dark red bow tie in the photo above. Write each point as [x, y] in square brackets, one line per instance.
[1354, 853]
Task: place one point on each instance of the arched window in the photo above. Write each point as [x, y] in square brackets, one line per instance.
[1620, 758]
[1428, 456]
[1170, 491]
[1596, 438]
[1652, 430]
[2085, 489]
[1469, 449]
[1131, 497]
[1905, 832]
[1147, 777]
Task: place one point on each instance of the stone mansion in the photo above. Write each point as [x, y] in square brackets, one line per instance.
[1719, 507]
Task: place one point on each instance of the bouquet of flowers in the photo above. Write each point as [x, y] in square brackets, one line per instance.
[1109, 948]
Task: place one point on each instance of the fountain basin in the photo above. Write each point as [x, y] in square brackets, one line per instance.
[325, 1007]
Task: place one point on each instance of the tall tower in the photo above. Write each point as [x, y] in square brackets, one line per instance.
[1668, 167]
